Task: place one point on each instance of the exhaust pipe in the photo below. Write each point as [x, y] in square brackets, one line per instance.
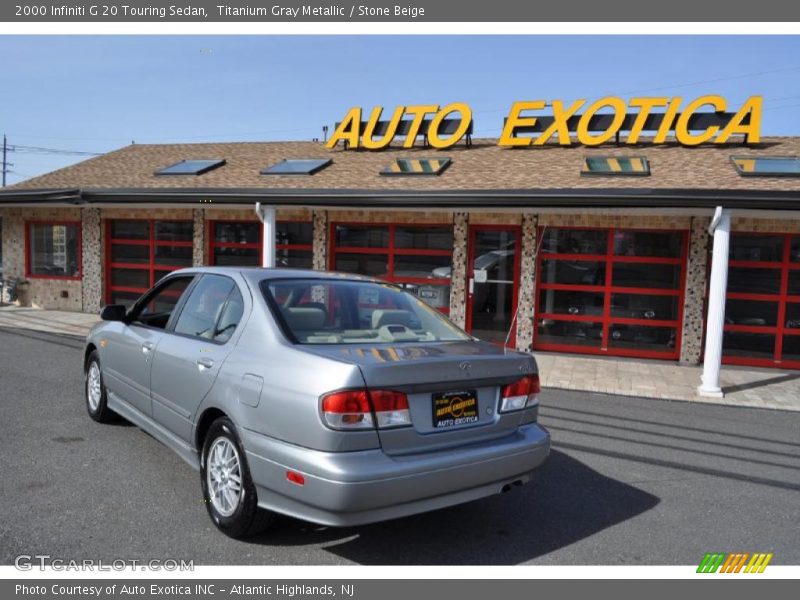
[507, 487]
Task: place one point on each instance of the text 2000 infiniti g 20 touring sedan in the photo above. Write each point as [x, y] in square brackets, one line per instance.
[332, 398]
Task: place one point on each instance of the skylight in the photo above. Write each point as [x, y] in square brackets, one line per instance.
[616, 165]
[417, 166]
[191, 167]
[298, 166]
[767, 166]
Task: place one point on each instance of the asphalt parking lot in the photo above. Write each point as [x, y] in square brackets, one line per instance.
[629, 481]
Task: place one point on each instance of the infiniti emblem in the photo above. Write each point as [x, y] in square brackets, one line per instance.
[465, 366]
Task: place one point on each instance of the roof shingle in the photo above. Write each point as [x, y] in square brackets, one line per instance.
[484, 166]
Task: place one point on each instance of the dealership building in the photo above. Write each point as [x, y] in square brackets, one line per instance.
[603, 250]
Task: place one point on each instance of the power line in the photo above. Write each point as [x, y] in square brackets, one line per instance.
[682, 85]
[42, 150]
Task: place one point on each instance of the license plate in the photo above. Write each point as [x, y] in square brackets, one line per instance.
[452, 409]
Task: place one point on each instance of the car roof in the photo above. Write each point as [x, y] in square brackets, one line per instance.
[257, 274]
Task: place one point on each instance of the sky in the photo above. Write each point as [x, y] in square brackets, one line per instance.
[94, 94]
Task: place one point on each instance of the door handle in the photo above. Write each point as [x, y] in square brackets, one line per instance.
[203, 364]
[147, 347]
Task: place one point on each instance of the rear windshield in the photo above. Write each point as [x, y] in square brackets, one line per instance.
[323, 311]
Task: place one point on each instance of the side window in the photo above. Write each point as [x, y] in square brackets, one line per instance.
[230, 317]
[156, 308]
[205, 306]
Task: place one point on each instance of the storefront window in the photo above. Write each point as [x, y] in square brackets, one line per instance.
[417, 257]
[575, 241]
[573, 272]
[751, 312]
[791, 348]
[141, 252]
[570, 333]
[748, 345]
[646, 243]
[641, 337]
[762, 308]
[646, 275]
[757, 248]
[635, 310]
[754, 280]
[641, 306]
[238, 243]
[362, 236]
[53, 250]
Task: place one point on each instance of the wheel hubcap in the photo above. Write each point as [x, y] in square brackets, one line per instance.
[224, 476]
[93, 391]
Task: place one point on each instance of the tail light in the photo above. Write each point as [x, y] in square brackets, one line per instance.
[521, 394]
[362, 409]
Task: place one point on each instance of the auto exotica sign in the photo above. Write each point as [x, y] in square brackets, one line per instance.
[537, 122]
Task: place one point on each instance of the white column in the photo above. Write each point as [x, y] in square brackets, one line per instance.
[266, 215]
[715, 321]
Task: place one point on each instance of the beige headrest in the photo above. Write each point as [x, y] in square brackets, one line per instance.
[381, 317]
[304, 319]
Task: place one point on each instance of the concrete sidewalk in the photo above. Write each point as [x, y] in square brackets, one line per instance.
[49, 321]
[743, 386]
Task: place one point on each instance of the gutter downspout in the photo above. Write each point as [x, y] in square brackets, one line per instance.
[720, 228]
[266, 214]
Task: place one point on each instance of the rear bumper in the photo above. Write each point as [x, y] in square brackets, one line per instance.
[353, 488]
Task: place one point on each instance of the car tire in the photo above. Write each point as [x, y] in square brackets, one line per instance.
[94, 391]
[232, 506]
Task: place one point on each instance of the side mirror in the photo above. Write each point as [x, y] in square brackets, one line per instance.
[113, 312]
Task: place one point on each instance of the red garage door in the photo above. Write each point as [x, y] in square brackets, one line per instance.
[610, 291]
[762, 308]
[139, 252]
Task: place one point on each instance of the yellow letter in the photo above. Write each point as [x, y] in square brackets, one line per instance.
[560, 118]
[752, 131]
[646, 105]
[419, 111]
[514, 120]
[348, 130]
[587, 139]
[666, 122]
[366, 139]
[433, 133]
[682, 133]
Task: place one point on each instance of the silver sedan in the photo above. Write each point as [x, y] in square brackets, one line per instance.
[333, 398]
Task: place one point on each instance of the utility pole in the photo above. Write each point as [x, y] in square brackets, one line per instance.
[5, 149]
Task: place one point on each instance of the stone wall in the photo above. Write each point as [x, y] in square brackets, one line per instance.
[458, 272]
[92, 260]
[320, 242]
[694, 292]
[527, 284]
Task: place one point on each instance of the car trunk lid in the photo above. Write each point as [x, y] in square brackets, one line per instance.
[453, 389]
